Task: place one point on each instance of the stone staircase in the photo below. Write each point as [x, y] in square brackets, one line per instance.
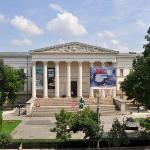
[48, 107]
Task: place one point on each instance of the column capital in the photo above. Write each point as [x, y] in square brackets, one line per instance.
[45, 62]
[68, 62]
[114, 62]
[91, 63]
[103, 63]
[33, 62]
[80, 62]
[56, 62]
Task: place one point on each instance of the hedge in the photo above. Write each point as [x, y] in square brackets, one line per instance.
[49, 143]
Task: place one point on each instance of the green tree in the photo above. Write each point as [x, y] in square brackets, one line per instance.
[137, 84]
[117, 134]
[63, 125]
[85, 121]
[11, 81]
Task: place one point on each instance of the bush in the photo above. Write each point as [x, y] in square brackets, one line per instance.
[117, 135]
[5, 139]
[145, 124]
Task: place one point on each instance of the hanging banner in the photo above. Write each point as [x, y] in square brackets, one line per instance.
[102, 77]
[51, 78]
[39, 78]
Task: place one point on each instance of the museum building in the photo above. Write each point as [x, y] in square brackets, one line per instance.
[64, 70]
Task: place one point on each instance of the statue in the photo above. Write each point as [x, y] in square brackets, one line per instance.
[81, 104]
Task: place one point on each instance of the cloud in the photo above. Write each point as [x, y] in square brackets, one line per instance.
[140, 23]
[112, 41]
[2, 18]
[67, 24]
[26, 25]
[24, 42]
[56, 7]
[106, 33]
[109, 34]
[100, 35]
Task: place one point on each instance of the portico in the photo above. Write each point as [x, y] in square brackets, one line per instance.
[70, 62]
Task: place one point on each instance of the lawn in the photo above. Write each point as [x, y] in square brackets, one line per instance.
[9, 125]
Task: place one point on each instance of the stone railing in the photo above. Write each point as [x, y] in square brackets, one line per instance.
[120, 104]
[29, 106]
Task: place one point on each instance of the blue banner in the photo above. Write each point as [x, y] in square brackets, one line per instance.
[102, 77]
[39, 78]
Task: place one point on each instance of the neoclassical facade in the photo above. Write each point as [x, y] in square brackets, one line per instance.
[63, 70]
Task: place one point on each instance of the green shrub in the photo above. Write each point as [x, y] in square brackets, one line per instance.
[145, 124]
[5, 139]
[117, 135]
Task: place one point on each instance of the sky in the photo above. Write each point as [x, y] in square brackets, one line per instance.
[115, 24]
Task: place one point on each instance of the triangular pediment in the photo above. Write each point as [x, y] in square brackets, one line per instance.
[73, 47]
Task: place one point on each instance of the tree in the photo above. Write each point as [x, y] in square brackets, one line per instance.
[63, 125]
[85, 121]
[117, 134]
[137, 84]
[11, 80]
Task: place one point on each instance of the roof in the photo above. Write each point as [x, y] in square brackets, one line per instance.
[13, 54]
[73, 47]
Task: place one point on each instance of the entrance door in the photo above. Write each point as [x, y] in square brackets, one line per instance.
[73, 88]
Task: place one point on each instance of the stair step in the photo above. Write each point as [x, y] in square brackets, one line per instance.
[48, 107]
[52, 114]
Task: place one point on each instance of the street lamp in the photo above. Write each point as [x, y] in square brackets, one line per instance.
[98, 115]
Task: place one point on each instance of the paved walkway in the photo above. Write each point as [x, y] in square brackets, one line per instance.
[39, 127]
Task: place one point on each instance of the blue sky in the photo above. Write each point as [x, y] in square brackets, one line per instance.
[115, 24]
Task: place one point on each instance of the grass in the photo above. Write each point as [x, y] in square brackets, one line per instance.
[9, 125]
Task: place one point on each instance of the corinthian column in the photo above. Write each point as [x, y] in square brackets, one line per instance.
[34, 79]
[80, 79]
[68, 80]
[56, 79]
[91, 89]
[45, 80]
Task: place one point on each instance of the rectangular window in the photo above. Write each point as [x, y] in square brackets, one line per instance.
[121, 72]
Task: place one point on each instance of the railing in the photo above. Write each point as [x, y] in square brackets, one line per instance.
[29, 106]
[120, 104]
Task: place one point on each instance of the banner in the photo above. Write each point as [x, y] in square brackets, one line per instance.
[102, 77]
[51, 78]
[39, 78]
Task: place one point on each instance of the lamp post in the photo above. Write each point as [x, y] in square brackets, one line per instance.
[98, 116]
[27, 76]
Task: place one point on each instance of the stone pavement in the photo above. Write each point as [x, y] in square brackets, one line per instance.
[39, 127]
